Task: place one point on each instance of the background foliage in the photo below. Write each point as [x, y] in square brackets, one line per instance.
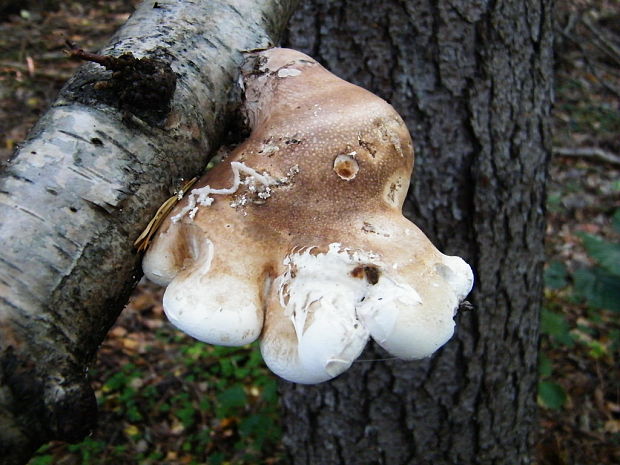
[163, 398]
[579, 387]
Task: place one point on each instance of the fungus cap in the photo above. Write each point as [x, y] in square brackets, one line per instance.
[297, 237]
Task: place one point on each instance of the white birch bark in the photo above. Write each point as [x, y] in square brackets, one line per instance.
[80, 190]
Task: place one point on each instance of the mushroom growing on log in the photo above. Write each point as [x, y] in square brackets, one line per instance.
[298, 237]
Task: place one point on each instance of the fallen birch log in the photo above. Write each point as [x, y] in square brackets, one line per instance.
[83, 186]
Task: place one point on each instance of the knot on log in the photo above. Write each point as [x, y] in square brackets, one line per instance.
[141, 86]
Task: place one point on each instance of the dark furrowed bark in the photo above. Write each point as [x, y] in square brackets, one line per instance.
[81, 189]
[473, 82]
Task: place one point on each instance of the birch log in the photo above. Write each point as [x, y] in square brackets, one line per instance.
[82, 187]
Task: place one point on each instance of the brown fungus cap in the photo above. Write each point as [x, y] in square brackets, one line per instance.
[298, 237]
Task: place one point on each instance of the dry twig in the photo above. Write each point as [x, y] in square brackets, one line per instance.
[601, 40]
[594, 153]
[12, 66]
[593, 66]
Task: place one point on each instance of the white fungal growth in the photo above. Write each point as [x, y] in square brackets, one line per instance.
[382, 305]
[202, 305]
[325, 277]
[334, 308]
[318, 295]
[336, 300]
[290, 174]
[288, 72]
[264, 194]
[202, 196]
[457, 274]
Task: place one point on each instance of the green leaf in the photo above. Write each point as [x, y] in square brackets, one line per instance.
[555, 325]
[196, 350]
[227, 367]
[544, 366]
[115, 382]
[615, 220]
[607, 254]
[204, 404]
[551, 395]
[259, 429]
[231, 399]
[155, 455]
[134, 414]
[555, 275]
[216, 458]
[42, 460]
[270, 390]
[186, 415]
[598, 287]
[597, 349]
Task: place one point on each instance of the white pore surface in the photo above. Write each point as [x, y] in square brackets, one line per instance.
[214, 308]
[333, 313]
[319, 296]
[406, 328]
[458, 274]
[383, 305]
[405, 324]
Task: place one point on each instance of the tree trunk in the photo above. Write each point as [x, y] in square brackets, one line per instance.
[84, 185]
[473, 81]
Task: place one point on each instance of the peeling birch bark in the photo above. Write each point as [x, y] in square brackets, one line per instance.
[80, 190]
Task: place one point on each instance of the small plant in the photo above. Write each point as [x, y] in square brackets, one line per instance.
[550, 393]
[597, 287]
[555, 328]
[216, 405]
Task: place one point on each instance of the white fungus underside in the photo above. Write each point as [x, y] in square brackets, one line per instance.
[334, 313]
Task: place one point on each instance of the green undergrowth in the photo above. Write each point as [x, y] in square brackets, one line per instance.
[581, 315]
[211, 405]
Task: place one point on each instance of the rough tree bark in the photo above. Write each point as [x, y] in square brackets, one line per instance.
[83, 186]
[473, 81]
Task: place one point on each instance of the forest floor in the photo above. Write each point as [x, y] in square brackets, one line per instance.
[166, 399]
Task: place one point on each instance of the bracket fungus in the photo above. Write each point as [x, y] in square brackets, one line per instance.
[297, 237]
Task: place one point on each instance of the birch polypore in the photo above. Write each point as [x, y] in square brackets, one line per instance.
[298, 237]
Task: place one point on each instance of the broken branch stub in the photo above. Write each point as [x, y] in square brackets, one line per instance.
[298, 236]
